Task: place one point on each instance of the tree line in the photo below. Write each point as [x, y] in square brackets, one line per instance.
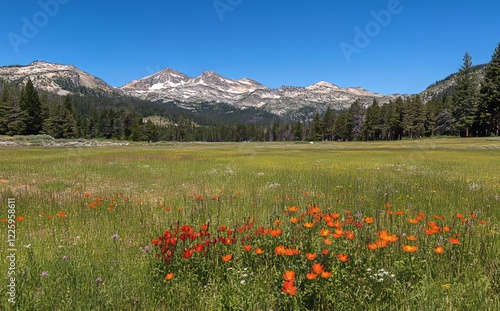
[471, 109]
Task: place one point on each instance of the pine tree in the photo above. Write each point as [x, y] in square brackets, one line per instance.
[372, 126]
[328, 123]
[150, 131]
[298, 131]
[464, 97]
[414, 117]
[316, 129]
[489, 109]
[396, 120]
[31, 106]
[69, 129]
[16, 124]
[356, 117]
[342, 128]
[4, 109]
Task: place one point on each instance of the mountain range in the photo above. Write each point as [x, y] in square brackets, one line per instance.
[174, 87]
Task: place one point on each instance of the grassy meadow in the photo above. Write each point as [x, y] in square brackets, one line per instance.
[402, 225]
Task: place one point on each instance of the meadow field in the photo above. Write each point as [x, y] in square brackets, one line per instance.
[402, 225]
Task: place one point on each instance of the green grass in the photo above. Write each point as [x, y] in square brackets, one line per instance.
[148, 189]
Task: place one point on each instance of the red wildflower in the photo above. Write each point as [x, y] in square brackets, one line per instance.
[288, 288]
[410, 248]
[169, 276]
[343, 257]
[311, 275]
[289, 275]
[259, 251]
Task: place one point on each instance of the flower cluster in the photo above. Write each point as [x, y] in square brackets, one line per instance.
[311, 243]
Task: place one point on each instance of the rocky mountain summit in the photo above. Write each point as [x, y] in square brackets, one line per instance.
[59, 79]
[169, 85]
[172, 86]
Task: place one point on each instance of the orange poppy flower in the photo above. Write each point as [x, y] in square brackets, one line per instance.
[338, 233]
[439, 250]
[455, 241]
[308, 225]
[483, 222]
[276, 232]
[288, 288]
[326, 274]
[343, 257]
[325, 252]
[169, 276]
[61, 214]
[259, 251]
[369, 220]
[390, 238]
[293, 209]
[413, 221]
[289, 275]
[313, 210]
[311, 256]
[288, 252]
[411, 238]
[324, 232]
[279, 250]
[247, 248]
[349, 235]
[327, 241]
[410, 248]
[335, 224]
[227, 257]
[327, 218]
[431, 231]
[381, 243]
[317, 268]
[335, 215]
[311, 275]
[372, 246]
[294, 220]
[446, 229]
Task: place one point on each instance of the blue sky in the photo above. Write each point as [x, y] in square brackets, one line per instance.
[385, 46]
